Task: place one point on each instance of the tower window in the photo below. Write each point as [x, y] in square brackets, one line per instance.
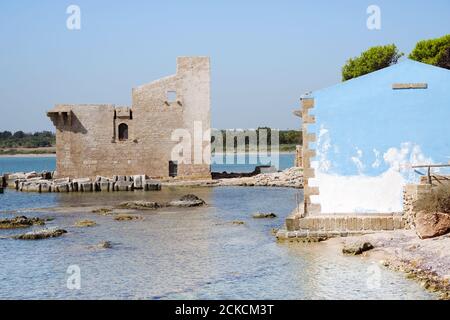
[171, 96]
[123, 132]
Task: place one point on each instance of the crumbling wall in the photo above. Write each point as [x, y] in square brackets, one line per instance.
[87, 135]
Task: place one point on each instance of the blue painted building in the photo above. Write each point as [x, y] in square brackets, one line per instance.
[377, 124]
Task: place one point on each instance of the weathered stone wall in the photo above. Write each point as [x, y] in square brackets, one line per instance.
[88, 139]
[411, 193]
[298, 157]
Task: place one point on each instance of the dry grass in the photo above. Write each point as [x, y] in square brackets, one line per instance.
[438, 200]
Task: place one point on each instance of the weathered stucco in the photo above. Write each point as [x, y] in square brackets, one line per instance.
[87, 137]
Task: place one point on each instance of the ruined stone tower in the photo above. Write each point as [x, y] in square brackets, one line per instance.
[111, 140]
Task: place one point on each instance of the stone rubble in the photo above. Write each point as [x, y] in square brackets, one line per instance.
[43, 182]
[289, 178]
[292, 178]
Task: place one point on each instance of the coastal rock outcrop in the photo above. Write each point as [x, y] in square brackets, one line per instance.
[20, 222]
[188, 200]
[41, 234]
[127, 217]
[289, 178]
[139, 205]
[103, 211]
[430, 225]
[104, 245]
[260, 215]
[85, 224]
[356, 247]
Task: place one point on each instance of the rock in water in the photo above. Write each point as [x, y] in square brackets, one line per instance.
[20, 222]
[188, 200]
[41, 234]
[85, 223]
[105, 245]
[139, 205]
[356, 248]
[264, 215]
[127, 217]
[103, 211]
[430, 225]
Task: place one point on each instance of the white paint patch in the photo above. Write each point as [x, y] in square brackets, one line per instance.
[357, 161]
[377, 162]
[361, 193]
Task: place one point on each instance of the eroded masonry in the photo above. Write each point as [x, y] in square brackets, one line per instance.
[106, 140]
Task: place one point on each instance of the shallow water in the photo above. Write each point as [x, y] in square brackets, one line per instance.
[180, 253]
[194, 253]
[38, 164]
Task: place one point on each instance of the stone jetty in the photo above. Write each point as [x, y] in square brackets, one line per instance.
[44, 182]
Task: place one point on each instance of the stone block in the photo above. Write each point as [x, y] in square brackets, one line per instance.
[152, 185]
[292, 223]
[104, 186]
[390, 223]
[307, 103]
[139, 181]
[46, 187]
[122, 179]
[61, 180]
[32, 187]
[376, 223]
[85, 187]
[360, 223]
[62, 187]
[397, 223]
[366, 223]
[123, 186]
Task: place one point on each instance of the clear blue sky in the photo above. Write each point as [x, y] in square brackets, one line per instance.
[265, 54]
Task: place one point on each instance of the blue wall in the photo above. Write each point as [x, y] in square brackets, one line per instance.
[366, 114]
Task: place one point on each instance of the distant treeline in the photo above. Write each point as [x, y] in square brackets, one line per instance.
[286, 137]
[20, 139]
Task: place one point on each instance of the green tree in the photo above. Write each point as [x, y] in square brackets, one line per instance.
[374, 59]
[433, 51]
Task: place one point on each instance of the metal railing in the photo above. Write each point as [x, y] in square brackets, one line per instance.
[428, 167]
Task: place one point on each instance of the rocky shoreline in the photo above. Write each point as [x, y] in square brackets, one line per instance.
[44, 182]
[289, 178]
[426, 261]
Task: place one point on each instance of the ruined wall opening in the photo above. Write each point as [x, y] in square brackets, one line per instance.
[173, 168]
[123, 132]
[171, 96]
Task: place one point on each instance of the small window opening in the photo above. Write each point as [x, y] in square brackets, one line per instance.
[171, 96]
[173, 168]
[123, 132]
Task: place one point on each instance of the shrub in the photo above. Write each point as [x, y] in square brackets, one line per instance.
[373, 59]
[433, 51]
